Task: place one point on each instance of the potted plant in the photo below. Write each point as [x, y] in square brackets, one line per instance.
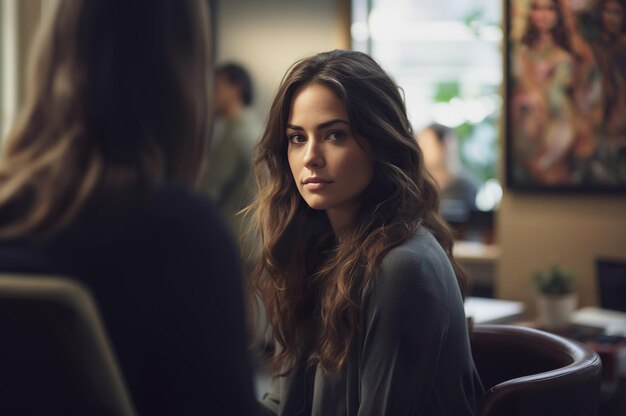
[556, 299]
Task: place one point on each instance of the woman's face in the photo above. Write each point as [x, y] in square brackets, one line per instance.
[543, 15]
[330, 168]
[613, 17]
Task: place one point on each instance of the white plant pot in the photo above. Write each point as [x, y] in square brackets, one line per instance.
[555, 311]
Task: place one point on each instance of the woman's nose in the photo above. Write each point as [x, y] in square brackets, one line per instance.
[313, 155]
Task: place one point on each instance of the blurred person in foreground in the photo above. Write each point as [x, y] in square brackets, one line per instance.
[96, 184]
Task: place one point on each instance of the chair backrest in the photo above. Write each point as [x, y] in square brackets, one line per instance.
[611, 281]
[527, 372]
[55, 357]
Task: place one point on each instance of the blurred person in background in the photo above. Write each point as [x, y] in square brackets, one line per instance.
[226, 176]
[96, 183]
[457, 187]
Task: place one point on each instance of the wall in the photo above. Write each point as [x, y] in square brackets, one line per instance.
[535, 231]
[18, 21]
[267, 36]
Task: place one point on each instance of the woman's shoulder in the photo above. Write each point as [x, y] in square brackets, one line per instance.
[419, 262]
[174, 201]
[178, 209]
[419, 249]
[415, 275]
[172, 214]
[190, 233]
[175, 196]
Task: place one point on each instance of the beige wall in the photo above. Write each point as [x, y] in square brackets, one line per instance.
[29, 12]
[19, 20]
[535, 231]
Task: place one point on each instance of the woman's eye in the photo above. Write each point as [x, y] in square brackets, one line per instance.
[336, 135]
[296, 138]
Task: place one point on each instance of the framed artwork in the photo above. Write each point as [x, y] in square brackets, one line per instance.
[565, 80]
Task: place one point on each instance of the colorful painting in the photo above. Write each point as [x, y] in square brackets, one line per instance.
[566, 95]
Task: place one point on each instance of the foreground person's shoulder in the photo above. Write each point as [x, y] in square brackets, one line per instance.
[188, 216]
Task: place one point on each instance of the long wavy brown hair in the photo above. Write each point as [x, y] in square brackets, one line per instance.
[310, 282]
[118, 99]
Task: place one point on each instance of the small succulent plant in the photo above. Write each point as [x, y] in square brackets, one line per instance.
[556, 280]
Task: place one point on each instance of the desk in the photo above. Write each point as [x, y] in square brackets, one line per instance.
[490, 311]
[611, 322]
[475, 251]
[480, 261]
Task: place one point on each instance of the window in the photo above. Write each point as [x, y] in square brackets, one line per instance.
[446, 56]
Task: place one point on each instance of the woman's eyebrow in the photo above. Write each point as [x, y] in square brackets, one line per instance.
[320, 126]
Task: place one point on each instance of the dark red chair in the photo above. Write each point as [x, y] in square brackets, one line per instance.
[528, 372]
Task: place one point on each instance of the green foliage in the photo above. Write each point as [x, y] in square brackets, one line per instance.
[554, 281]
[468, 134]
[473, 20]
[464, 129]
[445, 91]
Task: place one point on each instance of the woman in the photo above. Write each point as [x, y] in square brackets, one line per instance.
[95, 184]
[610, 53]
[355, 270]
[542, 98]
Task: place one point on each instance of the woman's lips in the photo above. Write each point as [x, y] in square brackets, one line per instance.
[314, 184]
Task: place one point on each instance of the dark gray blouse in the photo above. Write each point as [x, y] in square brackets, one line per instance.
[412, 355]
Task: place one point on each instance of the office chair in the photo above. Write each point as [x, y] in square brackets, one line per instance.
[527, 372]
[55, 357]
[611, 281]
